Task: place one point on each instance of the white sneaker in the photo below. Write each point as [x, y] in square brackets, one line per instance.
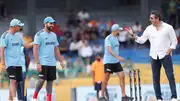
[174, 99]
[159, 100]
[15, 99]
[34, 100]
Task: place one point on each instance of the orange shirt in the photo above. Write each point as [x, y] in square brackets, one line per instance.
[98, 69]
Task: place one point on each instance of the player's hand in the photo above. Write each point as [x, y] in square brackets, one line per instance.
[169, 51]
[62, 65]
[3, 68]
[39, 68]
[120, 59]
[129, 30]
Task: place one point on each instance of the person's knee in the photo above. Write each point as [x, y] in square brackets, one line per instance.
[121, 75]
[41, 81]
[13, 82]
[49, 87]
[105, 81]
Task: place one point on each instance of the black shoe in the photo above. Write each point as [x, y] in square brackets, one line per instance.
[103, 99]
[127, 98]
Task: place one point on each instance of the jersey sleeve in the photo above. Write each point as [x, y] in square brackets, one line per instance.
[22, 40]
[56, 42]
[37, 39]
[107, 42]
[3, 42]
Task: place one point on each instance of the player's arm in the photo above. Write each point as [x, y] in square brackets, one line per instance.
[35, 53]
[140, 40]
[2, 56]
[27, 46]
[3, 45]
[58, 54]
[36, 43]
[109, 49]
[172, 36]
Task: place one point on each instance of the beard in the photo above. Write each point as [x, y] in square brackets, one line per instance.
[21, 29]
[49, 28]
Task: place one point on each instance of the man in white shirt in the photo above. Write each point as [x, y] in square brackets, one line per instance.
[162, 41]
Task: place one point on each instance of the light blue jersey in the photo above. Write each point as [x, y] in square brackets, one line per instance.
[47, 43]
[113, 42]
[12, 44]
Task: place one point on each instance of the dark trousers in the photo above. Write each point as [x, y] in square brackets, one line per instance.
[156, 68]
[20, 88]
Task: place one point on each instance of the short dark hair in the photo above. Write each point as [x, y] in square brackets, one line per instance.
[157, 14]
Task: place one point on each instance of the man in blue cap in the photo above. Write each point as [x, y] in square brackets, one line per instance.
[112, 62]
[11, 43]
[45, 53]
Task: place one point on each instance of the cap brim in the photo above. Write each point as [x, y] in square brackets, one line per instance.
[52, 21]
[21, 24]
[120, 28]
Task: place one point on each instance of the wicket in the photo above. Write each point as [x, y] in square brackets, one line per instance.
[135, 73]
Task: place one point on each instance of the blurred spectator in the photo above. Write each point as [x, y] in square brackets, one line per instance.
[92, 24]
[86, 53]
[83, 25]
[68, 34]
[137, 28]
[172, 10]
[94, 33]
[72, 19]
[123, 38]
[59, 33]
[79, 67]
[164, 9]
[92, 30]
[177, 50]
[69, 67]
[73, 48]
[128, 65]
[60, 70]
[63, 46]
[178, 12]
[32, 65]
[109, 25]
[177, 31]
[2, 8]
[102, 27]
[83, 15]
[32, 81]
[97, 48]
[78, 34]
[27, 39]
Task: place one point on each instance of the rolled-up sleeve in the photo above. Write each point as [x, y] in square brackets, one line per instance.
[143, 38]
[173, 38]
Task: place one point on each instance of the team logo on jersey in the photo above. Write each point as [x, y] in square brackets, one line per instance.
[15, 44]
[50, 43]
